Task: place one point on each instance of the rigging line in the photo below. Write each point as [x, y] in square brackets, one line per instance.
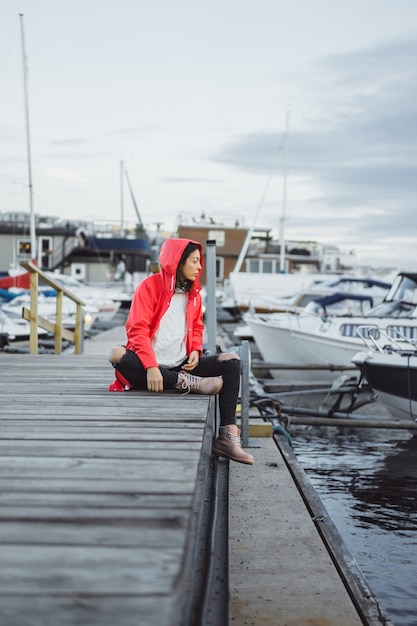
[252, 228]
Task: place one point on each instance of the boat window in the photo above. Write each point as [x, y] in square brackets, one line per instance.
[403, 289]
[400, 332]
[392, 309]
[306, 298]
[349, 330]
[253, 265]
[267, 267]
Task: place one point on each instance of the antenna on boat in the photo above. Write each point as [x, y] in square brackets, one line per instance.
[284, 200]
[32, 214]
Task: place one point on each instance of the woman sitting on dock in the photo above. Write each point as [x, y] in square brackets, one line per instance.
[165, 339]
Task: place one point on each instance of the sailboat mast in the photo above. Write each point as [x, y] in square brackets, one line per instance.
[32, 214]
[122, 217]
[284, 200]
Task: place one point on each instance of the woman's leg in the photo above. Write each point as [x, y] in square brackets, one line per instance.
[127, 363]
[226, 365]
[130, 366]
[228, 442]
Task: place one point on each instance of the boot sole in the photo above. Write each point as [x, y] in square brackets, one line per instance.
[232, 458]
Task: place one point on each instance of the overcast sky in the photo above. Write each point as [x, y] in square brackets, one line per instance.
[194, 97]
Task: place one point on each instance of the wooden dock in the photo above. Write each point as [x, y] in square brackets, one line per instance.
[100, 495]
[114, 512]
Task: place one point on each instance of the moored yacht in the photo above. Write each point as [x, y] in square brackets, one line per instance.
[324, 334]
[390, 368]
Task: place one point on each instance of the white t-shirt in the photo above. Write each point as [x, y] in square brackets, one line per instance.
[168, 342]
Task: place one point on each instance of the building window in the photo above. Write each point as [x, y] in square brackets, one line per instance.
[218, 235]
[24, 248]
[219, 268]
[46, 252]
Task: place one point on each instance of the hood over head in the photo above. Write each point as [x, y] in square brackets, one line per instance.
[170, 256]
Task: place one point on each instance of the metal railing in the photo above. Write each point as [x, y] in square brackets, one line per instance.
[31, 315]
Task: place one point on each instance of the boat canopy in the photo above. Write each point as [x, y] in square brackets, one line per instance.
[340, 296]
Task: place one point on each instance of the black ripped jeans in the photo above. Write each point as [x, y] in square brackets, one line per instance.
[132, 369]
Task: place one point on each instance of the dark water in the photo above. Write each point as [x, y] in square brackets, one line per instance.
[367, 480]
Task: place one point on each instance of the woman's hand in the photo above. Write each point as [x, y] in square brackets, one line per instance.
[154, 379]
[192, 362]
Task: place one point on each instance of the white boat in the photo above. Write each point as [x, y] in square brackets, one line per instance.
[262, 292]
[15, 328]
[390, 368]
[319, 335]
[107, 301]
[295, 302]
[47, 310]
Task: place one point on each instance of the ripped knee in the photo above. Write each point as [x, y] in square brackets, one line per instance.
[116, 354]
[228, 356]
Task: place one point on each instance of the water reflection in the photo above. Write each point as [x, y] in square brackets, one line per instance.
[367, 480]
[387, 497]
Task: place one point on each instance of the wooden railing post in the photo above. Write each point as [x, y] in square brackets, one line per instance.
[79, 330]
[60, 333]
[58, 323]
[33, 342]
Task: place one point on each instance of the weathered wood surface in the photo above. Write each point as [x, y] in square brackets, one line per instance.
[97, 491]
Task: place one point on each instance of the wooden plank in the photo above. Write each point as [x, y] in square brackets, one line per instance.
[78, 468]
[109, 435]
[92, 425]
[102, 408]
[161, 535]
[9, 499]
[138, 517]
[142, 450]
[89, 448]
[125, 486]
[87, 569]
[82, 609]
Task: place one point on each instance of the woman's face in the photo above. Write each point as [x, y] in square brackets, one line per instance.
[192, 266]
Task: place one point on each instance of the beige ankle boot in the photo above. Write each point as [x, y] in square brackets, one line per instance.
[228, 444]
[209, 385]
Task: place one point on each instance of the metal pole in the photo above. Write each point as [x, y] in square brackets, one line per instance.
[244, 393]
[284, 200]
[122, 219]
[32, 214]
[352, 422]
[211, 309]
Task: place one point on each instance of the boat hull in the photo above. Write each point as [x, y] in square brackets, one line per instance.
[304, 338]
[281, 340]
[393, 376]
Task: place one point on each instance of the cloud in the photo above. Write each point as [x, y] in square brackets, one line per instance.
[61, 173]
[357, 152]
[172, 179]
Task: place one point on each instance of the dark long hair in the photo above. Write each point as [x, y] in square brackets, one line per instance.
[189, 249]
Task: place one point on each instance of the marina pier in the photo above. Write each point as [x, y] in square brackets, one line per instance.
[114, 511]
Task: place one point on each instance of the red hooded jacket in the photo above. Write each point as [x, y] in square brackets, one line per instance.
[152, 299]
